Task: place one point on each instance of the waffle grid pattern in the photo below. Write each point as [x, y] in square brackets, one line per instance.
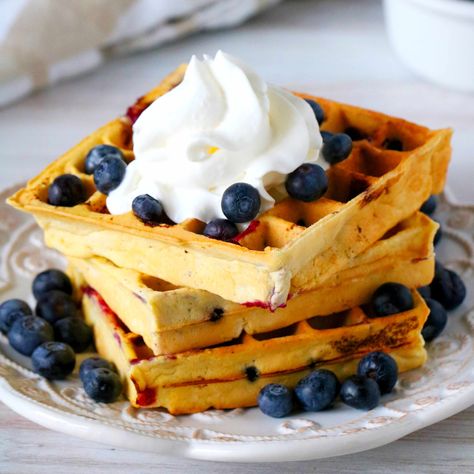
[369, 160]
[290, 244]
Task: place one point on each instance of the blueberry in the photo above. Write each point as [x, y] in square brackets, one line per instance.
[55, 305]
[148, 209]
[94, 363]
[391, 298]
[425, 291]
[252, 373]
[216, 315]
[436, 322]
[66, 190]
[439, 269]
[28, 333]
[438, 235]
[98, 153]
[109, 173]
[103, 385]
[337, 148]
[360, 392]
[75, 332]
[318, 390]
[53, 360]
[51, 280]
[429, 206]
[382, 368]
[326, 135]
[317, 109]
[447, 287]
[10, 311]
[220, 229]
[240, 202]
[10, 320]
[307, 183]
[275, 400]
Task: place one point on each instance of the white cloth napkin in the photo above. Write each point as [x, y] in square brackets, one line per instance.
[44, 41]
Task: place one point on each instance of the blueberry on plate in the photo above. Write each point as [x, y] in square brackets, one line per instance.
[436, 322]
[439, 269]
[10, 319]
[326, 135]
[337, 148]
[109, 173]
[275, 400]
[56, 305]
[318, 390]
[51, 279]
[360, 392]
[66, 190]
[317, 109]
[53, 360]
[10, 311]
[102, 385]
[28, 333]
[438, 235]
[307, 183]
[429, 206]
[148, 209]
[382, 368]
[74, 332]
[447, 287]
[220, 229]
[425, 291]
[391, 298]
[240, 202]
[98, 153]
[92, 363]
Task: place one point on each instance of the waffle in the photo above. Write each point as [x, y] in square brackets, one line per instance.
[290, 246]
[231, 375]
[172, 319]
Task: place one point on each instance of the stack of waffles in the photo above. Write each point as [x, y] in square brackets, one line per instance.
[194, 323]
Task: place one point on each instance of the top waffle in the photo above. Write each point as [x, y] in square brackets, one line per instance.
[394, 166]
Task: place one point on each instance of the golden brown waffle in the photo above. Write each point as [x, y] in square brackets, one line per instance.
[231, 375]
[289, 247]
[172, 319]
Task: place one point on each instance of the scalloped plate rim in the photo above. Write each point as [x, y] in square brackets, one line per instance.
[295, 450]
[245, 450]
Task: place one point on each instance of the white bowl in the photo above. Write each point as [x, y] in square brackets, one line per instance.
[434, 38]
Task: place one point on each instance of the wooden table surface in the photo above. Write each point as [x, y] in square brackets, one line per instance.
[332, 48]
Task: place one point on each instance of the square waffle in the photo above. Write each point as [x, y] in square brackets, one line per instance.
[231, 375]
[172, 319]
[394, 166]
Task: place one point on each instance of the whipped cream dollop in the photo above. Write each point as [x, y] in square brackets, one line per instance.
[221, 125]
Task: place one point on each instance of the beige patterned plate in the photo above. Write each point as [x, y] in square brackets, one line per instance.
[442, 388]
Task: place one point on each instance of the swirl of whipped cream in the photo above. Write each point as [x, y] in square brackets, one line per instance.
[221, 125]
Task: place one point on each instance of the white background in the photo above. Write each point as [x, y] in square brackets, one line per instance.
[336, 49]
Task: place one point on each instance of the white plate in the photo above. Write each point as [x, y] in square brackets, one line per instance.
[442, 388]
